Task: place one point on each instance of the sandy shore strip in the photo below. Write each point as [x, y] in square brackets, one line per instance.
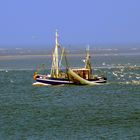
[32, 56]
[15, 57]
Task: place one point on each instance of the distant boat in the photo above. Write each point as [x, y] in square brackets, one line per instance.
[69, 76]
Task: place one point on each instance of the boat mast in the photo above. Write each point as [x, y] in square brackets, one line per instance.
[55, 57]
[88, 61]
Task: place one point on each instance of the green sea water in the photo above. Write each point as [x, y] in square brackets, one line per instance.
[107, 112]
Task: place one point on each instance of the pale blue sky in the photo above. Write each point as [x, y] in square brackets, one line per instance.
[33, 22]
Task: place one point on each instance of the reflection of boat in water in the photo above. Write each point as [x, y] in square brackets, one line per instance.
[76, 76]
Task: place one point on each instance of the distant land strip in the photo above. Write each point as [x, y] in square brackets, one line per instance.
[26, 56]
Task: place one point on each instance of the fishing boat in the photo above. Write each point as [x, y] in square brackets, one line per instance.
[68, 76]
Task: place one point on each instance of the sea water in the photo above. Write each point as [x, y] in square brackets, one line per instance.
[107, 112]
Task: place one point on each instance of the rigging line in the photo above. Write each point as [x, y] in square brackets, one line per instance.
[62, 50]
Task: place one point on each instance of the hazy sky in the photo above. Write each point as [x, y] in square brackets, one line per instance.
[33, 22]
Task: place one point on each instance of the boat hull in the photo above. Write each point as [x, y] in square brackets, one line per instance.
[61, 81]
[54, 81]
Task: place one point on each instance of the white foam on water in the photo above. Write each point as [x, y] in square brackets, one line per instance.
[137, 77]
[114, 74]
[11, 81]
[121, 75]
[40, 84]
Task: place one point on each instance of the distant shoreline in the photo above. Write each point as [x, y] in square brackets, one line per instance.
[31, 56]
[30, 53]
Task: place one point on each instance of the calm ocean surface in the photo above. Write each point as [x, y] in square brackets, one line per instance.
[107, 112]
